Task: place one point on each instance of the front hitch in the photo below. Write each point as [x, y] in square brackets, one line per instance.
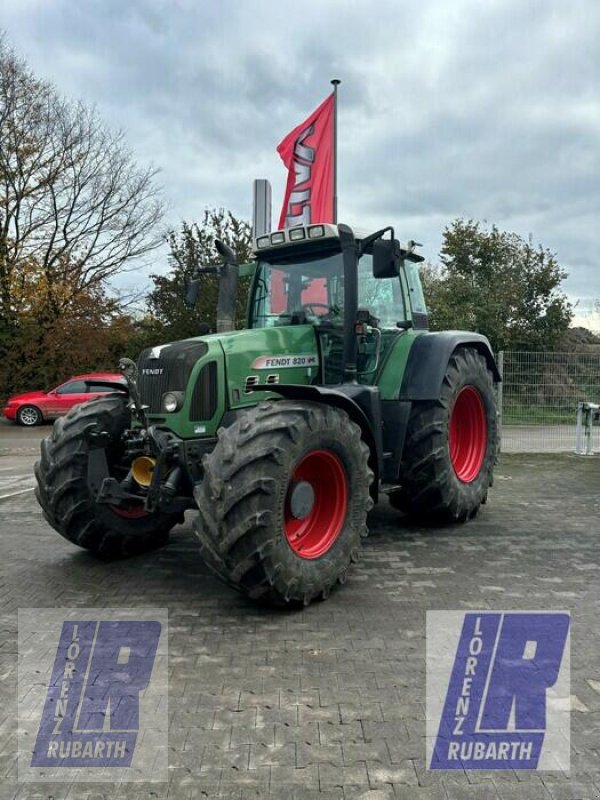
[158, 496]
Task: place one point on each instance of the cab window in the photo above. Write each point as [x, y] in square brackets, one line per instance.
[415, 288]
[72, 387]
[290, 290]
[103, 387]
[382, 296]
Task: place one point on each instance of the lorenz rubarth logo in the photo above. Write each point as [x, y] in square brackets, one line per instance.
[103, 689]
[498, 694]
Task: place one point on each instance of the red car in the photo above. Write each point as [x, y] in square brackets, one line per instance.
[33, 408]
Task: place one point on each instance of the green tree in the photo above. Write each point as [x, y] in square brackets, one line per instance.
[91, 334]
[496, 283]
[191, 247]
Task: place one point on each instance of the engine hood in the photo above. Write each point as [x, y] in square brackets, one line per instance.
[286, 354]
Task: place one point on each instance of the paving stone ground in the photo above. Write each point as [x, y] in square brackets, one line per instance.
[329, 702]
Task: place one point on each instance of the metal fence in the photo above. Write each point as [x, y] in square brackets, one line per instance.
[538, 397]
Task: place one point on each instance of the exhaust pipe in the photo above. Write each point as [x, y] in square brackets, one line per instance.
[228, 279]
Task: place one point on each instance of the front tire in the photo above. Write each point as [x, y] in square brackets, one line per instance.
[62, 488]
[450, 449]
[284, 500]
[29, 416]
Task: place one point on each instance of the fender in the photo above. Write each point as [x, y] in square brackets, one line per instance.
[361, 403]
[428, 359]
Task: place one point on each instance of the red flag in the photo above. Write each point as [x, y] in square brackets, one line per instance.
[308, 154]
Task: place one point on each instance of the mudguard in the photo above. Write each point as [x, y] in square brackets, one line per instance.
[361, 403]
[429, 358]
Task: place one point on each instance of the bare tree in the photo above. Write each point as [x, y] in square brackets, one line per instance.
[74, 207]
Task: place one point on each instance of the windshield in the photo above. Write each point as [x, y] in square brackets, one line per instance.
[289, 292]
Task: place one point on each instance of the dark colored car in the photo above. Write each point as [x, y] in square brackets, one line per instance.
[33, 408]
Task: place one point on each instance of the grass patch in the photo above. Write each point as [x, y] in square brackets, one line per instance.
[538, 415]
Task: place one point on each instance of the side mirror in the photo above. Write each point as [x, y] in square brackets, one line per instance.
[191, 292]
[386, 258]
[247, 270]
[192, 285]
[225, 252]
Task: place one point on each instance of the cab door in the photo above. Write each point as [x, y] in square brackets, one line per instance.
[385, 301]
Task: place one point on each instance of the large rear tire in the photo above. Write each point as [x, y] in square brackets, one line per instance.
[450, 448]
[284, 500]
[62, 489]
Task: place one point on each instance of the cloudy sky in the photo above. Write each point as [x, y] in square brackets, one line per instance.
[487, 109]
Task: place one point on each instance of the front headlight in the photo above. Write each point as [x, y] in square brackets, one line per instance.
[172, 401]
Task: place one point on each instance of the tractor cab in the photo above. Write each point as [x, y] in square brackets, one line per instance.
[305, 276]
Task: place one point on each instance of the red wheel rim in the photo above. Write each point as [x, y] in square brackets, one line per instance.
[132, 512]
[317, 532]
[468, 434]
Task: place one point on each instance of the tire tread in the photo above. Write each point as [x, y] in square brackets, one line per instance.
[238, 497]
[64, 496]
[430, 490]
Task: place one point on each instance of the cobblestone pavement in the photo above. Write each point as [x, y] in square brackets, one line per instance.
[329, 702]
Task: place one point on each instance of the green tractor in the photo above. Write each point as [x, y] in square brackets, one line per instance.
[281, 436]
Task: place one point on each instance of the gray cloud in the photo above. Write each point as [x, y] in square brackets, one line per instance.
[485, 110]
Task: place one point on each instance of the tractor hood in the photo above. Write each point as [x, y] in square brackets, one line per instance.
[267, 356]
[213, 374]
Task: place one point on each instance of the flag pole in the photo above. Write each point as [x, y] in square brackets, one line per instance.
[335, 83]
